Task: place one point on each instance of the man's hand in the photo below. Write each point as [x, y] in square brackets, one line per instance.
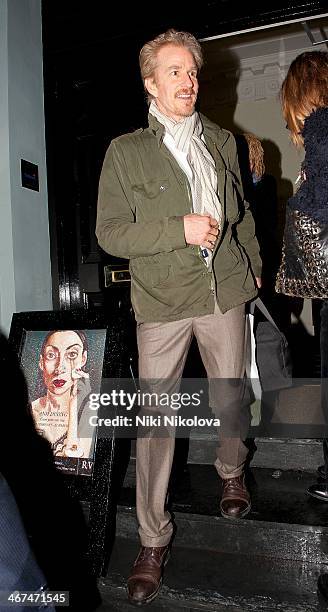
[202, 230]
[258, 282]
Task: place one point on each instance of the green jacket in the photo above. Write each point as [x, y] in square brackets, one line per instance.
[143, 196]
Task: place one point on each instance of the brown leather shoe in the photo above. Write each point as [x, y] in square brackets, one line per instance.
[147, 574]
[235, 501]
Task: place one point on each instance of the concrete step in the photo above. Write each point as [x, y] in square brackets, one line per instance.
[271, 453]
[284, 523]
[208, 579]
[276, 453]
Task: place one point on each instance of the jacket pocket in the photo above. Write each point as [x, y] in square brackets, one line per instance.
[151, 189]
[230, 261]
[151, 275]
[151, 199]
[159, 276]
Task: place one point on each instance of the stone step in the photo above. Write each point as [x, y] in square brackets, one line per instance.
[282, 454]
[271, 453]
[284, 522]
[208, 579]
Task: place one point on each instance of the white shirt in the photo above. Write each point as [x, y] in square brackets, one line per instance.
[180, 156]
[182, 160]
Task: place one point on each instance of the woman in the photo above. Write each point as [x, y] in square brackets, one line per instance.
[261, 192]
[58, 413]
[304, 268]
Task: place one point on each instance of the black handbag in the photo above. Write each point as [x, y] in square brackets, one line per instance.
[272, 352]
[303, 270]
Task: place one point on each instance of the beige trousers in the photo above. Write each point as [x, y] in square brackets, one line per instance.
[163, 349]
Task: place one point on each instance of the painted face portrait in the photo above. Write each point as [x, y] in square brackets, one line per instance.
[62, 357]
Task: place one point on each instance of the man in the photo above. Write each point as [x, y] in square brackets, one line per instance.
[170, 200]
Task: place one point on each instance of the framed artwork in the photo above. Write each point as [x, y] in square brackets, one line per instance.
[65, 356]
[62, 367]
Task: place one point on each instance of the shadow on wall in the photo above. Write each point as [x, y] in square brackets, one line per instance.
[272, 162]
[218, 99]
[218, 86]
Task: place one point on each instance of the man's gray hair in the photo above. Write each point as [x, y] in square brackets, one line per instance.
[148, 53]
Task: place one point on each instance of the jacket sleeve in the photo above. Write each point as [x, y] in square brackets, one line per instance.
[117, 231]
[246, 227]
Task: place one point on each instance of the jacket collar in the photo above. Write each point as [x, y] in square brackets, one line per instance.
[211, 130]
[157, 128]
[214, 132]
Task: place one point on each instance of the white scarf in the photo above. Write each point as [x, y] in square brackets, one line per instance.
[187, 137]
